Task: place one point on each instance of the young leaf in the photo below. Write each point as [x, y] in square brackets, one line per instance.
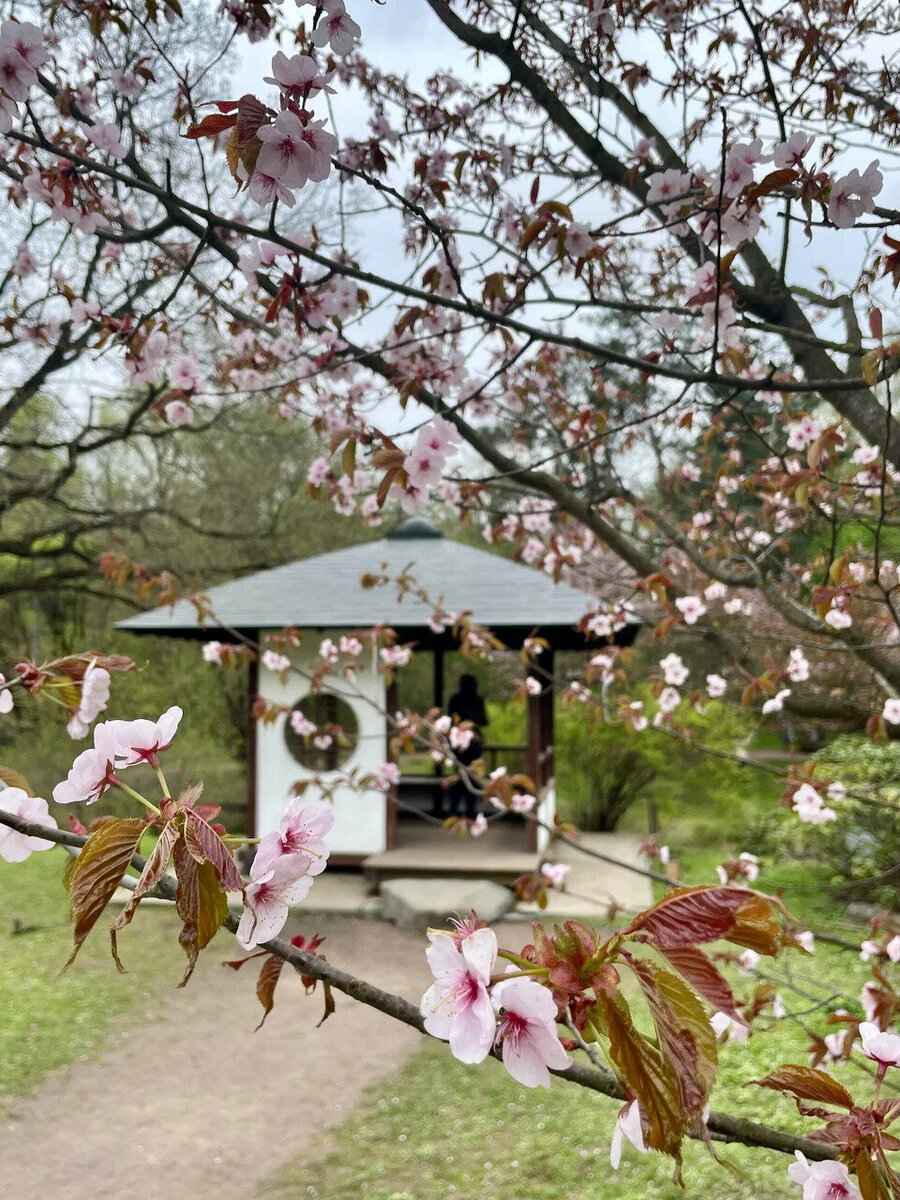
[15, 779]
[684, 1035]
[265, 985]
[645, 1073]
[154, 869]
[200, 903]
[98, 870]
[691, 916]
[205, 845]
[806, 1083]
[872, 1185]
[703, 976]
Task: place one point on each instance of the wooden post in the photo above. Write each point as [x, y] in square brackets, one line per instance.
[540, 731]
[390, 704]
[252, 690]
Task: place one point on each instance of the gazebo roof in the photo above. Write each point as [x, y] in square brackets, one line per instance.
[326, 592]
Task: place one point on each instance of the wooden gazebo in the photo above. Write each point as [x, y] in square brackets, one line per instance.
[325, 596]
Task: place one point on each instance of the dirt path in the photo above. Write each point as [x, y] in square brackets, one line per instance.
[218, 1107]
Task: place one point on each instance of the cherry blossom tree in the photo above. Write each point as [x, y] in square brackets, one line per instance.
[638, 307]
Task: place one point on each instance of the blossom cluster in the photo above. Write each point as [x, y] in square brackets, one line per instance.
[477, 1011]
[295, 148]
[22, 54]
[282, 873]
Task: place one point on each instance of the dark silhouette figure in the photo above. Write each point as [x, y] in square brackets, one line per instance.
[467, 705]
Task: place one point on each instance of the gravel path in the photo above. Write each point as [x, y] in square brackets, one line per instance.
[194, 1105]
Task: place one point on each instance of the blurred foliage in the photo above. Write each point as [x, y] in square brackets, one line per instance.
[603, 772]
[861, 849]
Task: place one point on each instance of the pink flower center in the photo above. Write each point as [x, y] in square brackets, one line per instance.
[512, 1028]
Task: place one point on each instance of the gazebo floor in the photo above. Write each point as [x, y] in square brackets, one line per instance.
[501, 855]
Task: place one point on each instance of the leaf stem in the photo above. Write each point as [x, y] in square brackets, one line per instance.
[137, 796]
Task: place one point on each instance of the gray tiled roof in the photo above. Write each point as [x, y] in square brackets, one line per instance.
[325, 591]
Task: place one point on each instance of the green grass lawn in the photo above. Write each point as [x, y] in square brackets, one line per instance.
[51, 1020]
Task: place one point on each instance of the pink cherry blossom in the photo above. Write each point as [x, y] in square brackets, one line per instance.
[803, 433]
[301, 724]
[739, 166]
[322, 741]
[775, 703]
[266, 189]
[527, 1031]
[185, 373]
[798, 666]
[6, 697]
[663, 186]
[791, 152]
[298, 76]
[691, 608]
[27, 40]
[396, 656]
[336, 28]
[14, 846]
[16, 76]
[668, 699]
[457, 1007]
[579, 242]
[716, 686]
[142, 740]
[285, 154]
[387, 776]
[478, 827]
[881, 1047]
[300, 832]
[94, 699]
[91, 773]
[838, 618]
[674, 670]
[810, 807]
[522, 802]
[318, 472]
[178, 413]
[273, 661]
[806, 940]
[269, 895]
[892, 949]
[853, 195]
[533, 686]
[628, 1126]
[748, 961]
[890, 712]
[733, 1031]
[107, 137]
[555, 873]
[823, 1180]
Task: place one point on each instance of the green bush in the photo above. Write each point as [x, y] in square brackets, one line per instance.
[607, 777]
[862, 847]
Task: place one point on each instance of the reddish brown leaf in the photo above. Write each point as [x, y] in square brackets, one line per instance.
[691, 916]
[98, 869]
[15, 779]
[703, 976]
[645, 1073]
[211, 125]
[200, 903]
[872, 1185]
[269, 975]
[806, 1083]
[684, 1035]
[154, 869]
[205, 845]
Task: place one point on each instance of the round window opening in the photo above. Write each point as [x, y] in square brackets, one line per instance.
[321, 732]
